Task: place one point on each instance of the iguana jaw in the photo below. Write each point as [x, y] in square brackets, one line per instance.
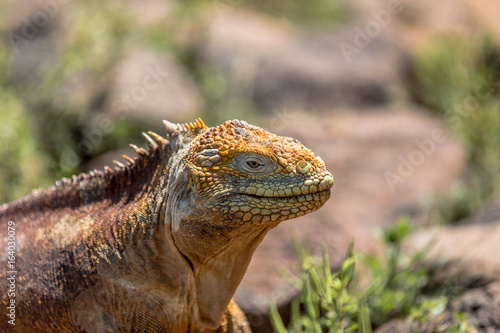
[261, 209]
[218, 261]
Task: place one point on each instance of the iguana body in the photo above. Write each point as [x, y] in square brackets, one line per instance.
[159, 244]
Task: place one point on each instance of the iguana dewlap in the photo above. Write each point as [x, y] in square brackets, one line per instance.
[158, 244]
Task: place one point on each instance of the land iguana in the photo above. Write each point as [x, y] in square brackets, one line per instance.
[160, 243]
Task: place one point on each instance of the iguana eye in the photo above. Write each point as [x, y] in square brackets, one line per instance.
[253, 164]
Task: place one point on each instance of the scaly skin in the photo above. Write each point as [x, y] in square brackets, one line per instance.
[159, 244]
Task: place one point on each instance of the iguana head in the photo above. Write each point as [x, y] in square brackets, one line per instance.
[247, 175]
[229, 185]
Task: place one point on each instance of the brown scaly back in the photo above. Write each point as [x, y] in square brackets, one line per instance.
[156, 144]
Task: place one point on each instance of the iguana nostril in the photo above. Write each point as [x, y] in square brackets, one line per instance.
[303, 167]
[326, 183]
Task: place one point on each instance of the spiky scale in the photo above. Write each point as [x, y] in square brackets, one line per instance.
[151, 143]
[139, 150]
[128, 158]
[200, 123]
[159, 139]
[171, 128]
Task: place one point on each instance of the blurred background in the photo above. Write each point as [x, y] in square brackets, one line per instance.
[400, 98]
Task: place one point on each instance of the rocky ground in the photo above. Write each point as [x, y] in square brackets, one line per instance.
[344, 89]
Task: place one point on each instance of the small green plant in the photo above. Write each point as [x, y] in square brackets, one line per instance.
[327, 304]
[22, 164]
[397, 279]
[462, 325]
[308, 14]
[333, 302]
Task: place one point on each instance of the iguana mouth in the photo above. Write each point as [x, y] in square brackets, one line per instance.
[262, 209]
[313, 194]
[315, 184]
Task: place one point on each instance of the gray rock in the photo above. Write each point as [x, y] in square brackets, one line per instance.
[467, 251]
[421, 21]
[467, 256]
[148, 15]
[32, 31]
[278, 65]
[152, 87]
[41, 37]
[490, 213]
[480, 306]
